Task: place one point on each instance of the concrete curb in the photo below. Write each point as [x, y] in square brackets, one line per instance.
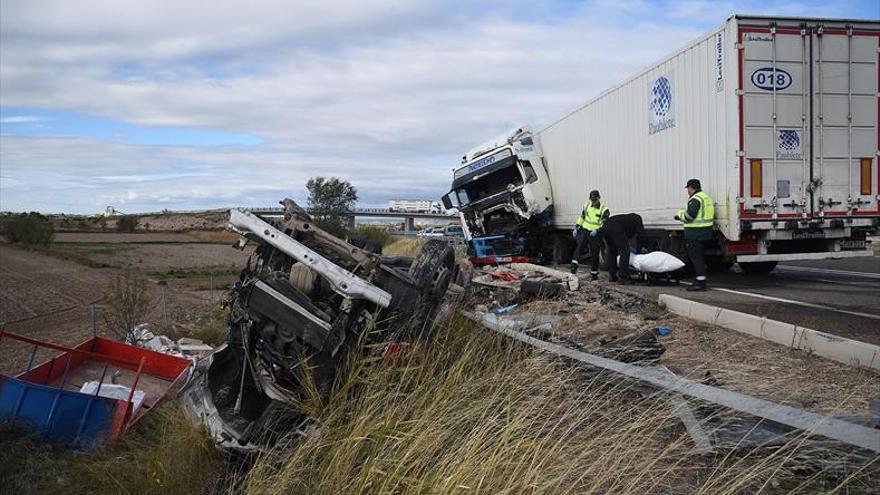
[846, 351]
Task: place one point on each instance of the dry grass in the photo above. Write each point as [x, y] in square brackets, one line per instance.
[214, 236]
[163, 453]
[471, 412]
[476, 413]
[403, 247]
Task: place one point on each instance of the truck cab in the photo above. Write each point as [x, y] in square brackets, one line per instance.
[503, 195]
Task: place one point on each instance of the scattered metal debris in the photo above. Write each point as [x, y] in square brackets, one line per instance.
[513, 275]
[143, 336]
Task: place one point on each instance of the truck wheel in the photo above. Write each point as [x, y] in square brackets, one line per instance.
[603, 255]
[758, 267]
[431, 270]
[559, 248]
[718, 263]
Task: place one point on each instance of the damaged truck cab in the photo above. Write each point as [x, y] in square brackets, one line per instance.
[305, 299]
[503, 195]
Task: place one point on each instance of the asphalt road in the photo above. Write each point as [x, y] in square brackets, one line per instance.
[841, 297]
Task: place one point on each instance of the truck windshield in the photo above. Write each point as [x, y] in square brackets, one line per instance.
[489, 185]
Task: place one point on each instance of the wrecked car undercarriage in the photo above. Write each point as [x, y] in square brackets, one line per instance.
[303, 300]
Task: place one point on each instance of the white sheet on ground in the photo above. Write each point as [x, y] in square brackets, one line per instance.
[656, 262]
[112, 391]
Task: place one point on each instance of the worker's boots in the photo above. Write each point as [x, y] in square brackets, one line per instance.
[698, 285]
[594, 276]
[574, 268]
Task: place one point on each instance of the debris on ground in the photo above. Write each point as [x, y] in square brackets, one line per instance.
[514, 274]
[664, 381]
[142, 336]
[639, 346]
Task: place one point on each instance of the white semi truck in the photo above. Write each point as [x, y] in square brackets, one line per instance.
[778, 117]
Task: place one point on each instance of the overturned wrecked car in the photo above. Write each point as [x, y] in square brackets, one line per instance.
[303, 300]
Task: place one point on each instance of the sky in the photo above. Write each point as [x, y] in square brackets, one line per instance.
[188, 105]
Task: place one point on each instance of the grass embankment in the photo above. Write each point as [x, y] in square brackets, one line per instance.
[477, 413]
[472, 412]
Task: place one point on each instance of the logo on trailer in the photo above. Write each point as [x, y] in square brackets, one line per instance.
[719, 61]
[788, 145]
[769, 79]
[661, 112]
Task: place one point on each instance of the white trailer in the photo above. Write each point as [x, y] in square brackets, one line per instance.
[414, 206]
[778, 117]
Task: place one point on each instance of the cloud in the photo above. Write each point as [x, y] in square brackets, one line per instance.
[386, 94]
[21, 119]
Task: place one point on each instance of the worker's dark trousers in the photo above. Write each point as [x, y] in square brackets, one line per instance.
[695, 249]
[618, 244]
[595, 242]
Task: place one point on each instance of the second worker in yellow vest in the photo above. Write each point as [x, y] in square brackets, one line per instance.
[698, 217]
[592, 218]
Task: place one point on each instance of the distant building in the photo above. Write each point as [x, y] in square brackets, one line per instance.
[110, 212]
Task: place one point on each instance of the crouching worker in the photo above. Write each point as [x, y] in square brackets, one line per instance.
[592, 217]
[617, 231]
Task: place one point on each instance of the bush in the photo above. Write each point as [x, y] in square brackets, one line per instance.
[30, 228]
[371, 233]
[127, 223]
[128, 304]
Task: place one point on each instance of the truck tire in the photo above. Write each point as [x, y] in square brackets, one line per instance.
[431, 270]
[603, 255]
[758, 267]
[719, 263]
[559, 248]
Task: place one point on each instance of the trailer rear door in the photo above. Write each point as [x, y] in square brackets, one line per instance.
[845, 112]
[775, 117]
[809, 103]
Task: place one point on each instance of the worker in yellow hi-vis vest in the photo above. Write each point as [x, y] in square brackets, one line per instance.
[698, 217]
[588, 227]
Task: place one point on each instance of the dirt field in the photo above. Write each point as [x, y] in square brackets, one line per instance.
[118, 238]
[212, 220]
[48, 298]
[160, 257]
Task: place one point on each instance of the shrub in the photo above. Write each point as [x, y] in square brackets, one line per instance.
[128, 304]
[30, 228]
[127, 223]
[371, 233]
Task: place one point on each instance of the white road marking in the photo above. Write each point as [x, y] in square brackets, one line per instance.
[827, 271]
[799, 303]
